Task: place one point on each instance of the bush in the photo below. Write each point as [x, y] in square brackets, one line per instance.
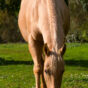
[9, 31]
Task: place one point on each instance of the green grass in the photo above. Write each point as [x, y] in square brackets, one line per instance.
[16, 66]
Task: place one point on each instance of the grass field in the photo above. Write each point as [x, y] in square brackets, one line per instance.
[16, 66]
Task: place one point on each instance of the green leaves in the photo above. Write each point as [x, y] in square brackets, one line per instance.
[84, 4]
[10, 5]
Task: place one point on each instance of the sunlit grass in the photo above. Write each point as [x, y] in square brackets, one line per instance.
[16, 67]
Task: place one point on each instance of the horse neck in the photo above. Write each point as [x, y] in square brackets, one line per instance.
[55, 22]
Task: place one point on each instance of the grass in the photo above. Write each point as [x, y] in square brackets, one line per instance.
[16, 66]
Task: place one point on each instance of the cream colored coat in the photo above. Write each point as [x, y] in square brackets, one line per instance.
[44, 22]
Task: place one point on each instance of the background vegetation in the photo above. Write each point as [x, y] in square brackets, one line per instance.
[79, 21]
[9, 14]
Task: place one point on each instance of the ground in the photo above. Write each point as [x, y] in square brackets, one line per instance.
[16, 66]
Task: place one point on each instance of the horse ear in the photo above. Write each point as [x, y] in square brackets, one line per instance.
[62, 50]
[46, 50]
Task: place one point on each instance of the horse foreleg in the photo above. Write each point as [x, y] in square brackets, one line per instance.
[36, 51]
[43, 85]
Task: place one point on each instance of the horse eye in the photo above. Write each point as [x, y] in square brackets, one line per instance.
[48, 72]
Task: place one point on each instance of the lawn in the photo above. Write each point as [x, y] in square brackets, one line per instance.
[16, 66]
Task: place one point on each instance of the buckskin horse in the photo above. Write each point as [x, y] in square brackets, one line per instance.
[44, 24]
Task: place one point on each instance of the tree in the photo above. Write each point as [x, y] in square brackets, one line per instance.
[9, 31]
[79, 21]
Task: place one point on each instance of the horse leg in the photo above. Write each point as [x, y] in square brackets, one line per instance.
[43, 85]
[35, 49]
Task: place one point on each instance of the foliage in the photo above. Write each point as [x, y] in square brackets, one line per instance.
[84, 4]
[16, 67]
[9, 31]
[11, 6]
[8, 28]
[79, 21]
[8, 21]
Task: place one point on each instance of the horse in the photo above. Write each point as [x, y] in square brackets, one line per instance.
[44, 25]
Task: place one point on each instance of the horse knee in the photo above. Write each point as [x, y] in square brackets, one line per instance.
[37, 69]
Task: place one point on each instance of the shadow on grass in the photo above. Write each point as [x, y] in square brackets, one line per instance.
[13, 62]
[82, 63]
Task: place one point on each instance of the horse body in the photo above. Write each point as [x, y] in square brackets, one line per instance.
[45, 23]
